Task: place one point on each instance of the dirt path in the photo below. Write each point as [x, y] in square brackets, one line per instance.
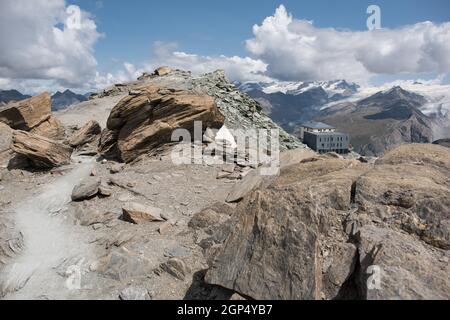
[55, 250]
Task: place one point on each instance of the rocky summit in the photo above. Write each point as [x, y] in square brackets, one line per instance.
[94, 205]
[320, 229]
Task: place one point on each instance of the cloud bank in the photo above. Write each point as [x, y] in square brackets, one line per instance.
[287, 49]
[297, 50]
[40, 41]
[40, 48]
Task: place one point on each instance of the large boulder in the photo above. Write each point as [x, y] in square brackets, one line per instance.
[146, 120]
[27, 114]
[43, 152]
[276, 248]
[88, 133]
[326, 228]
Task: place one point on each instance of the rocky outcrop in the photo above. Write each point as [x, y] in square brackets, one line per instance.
[33, 115]
[27, 114]
[239, 109]
[88, 133]
[43, 152]
[162, 71]
[116, 89]
[147, 120]
[325, 228]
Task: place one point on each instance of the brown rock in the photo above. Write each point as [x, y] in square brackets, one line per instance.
[43, 152]
[27, 114]
[274, 249]
[146, 121]
[138, 213]
[104, 191]
[175, 267]
[165, 228]
[108, 144]
[5, 144]
[50, 128]
[322, 228]
[86, 189]
[88, 133]
[295, 156]
[116, 168]
[161, 71]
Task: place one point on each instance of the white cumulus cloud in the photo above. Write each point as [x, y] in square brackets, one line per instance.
[42, 39]
[297, 50]
[237, 68]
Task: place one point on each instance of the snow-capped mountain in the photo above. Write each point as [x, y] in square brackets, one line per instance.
[289, 103]
[335, 89]
[376, 117]
[386, 119]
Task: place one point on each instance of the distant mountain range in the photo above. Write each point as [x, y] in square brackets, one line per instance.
[291, 103]
[60, 100]
[384, 120]
[11, 95]
[376, 120]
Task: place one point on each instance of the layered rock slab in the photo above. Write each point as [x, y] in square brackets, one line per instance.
[147, 120]
[43, 152]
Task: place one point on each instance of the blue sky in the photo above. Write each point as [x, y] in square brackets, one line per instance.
[221, 27]
[294, 40]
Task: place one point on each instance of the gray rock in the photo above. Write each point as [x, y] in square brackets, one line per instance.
[242, 188]
[134, 293]
[175, 267]
[325, 229]
[116, 168]
[138, 213]
[86, 189]
[105, 191]
[408, 270]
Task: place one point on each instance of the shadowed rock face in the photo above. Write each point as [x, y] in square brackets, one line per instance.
[315, 231]
[44, 153]
[88, 133]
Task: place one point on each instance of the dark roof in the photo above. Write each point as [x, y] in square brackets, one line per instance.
[316, 125]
